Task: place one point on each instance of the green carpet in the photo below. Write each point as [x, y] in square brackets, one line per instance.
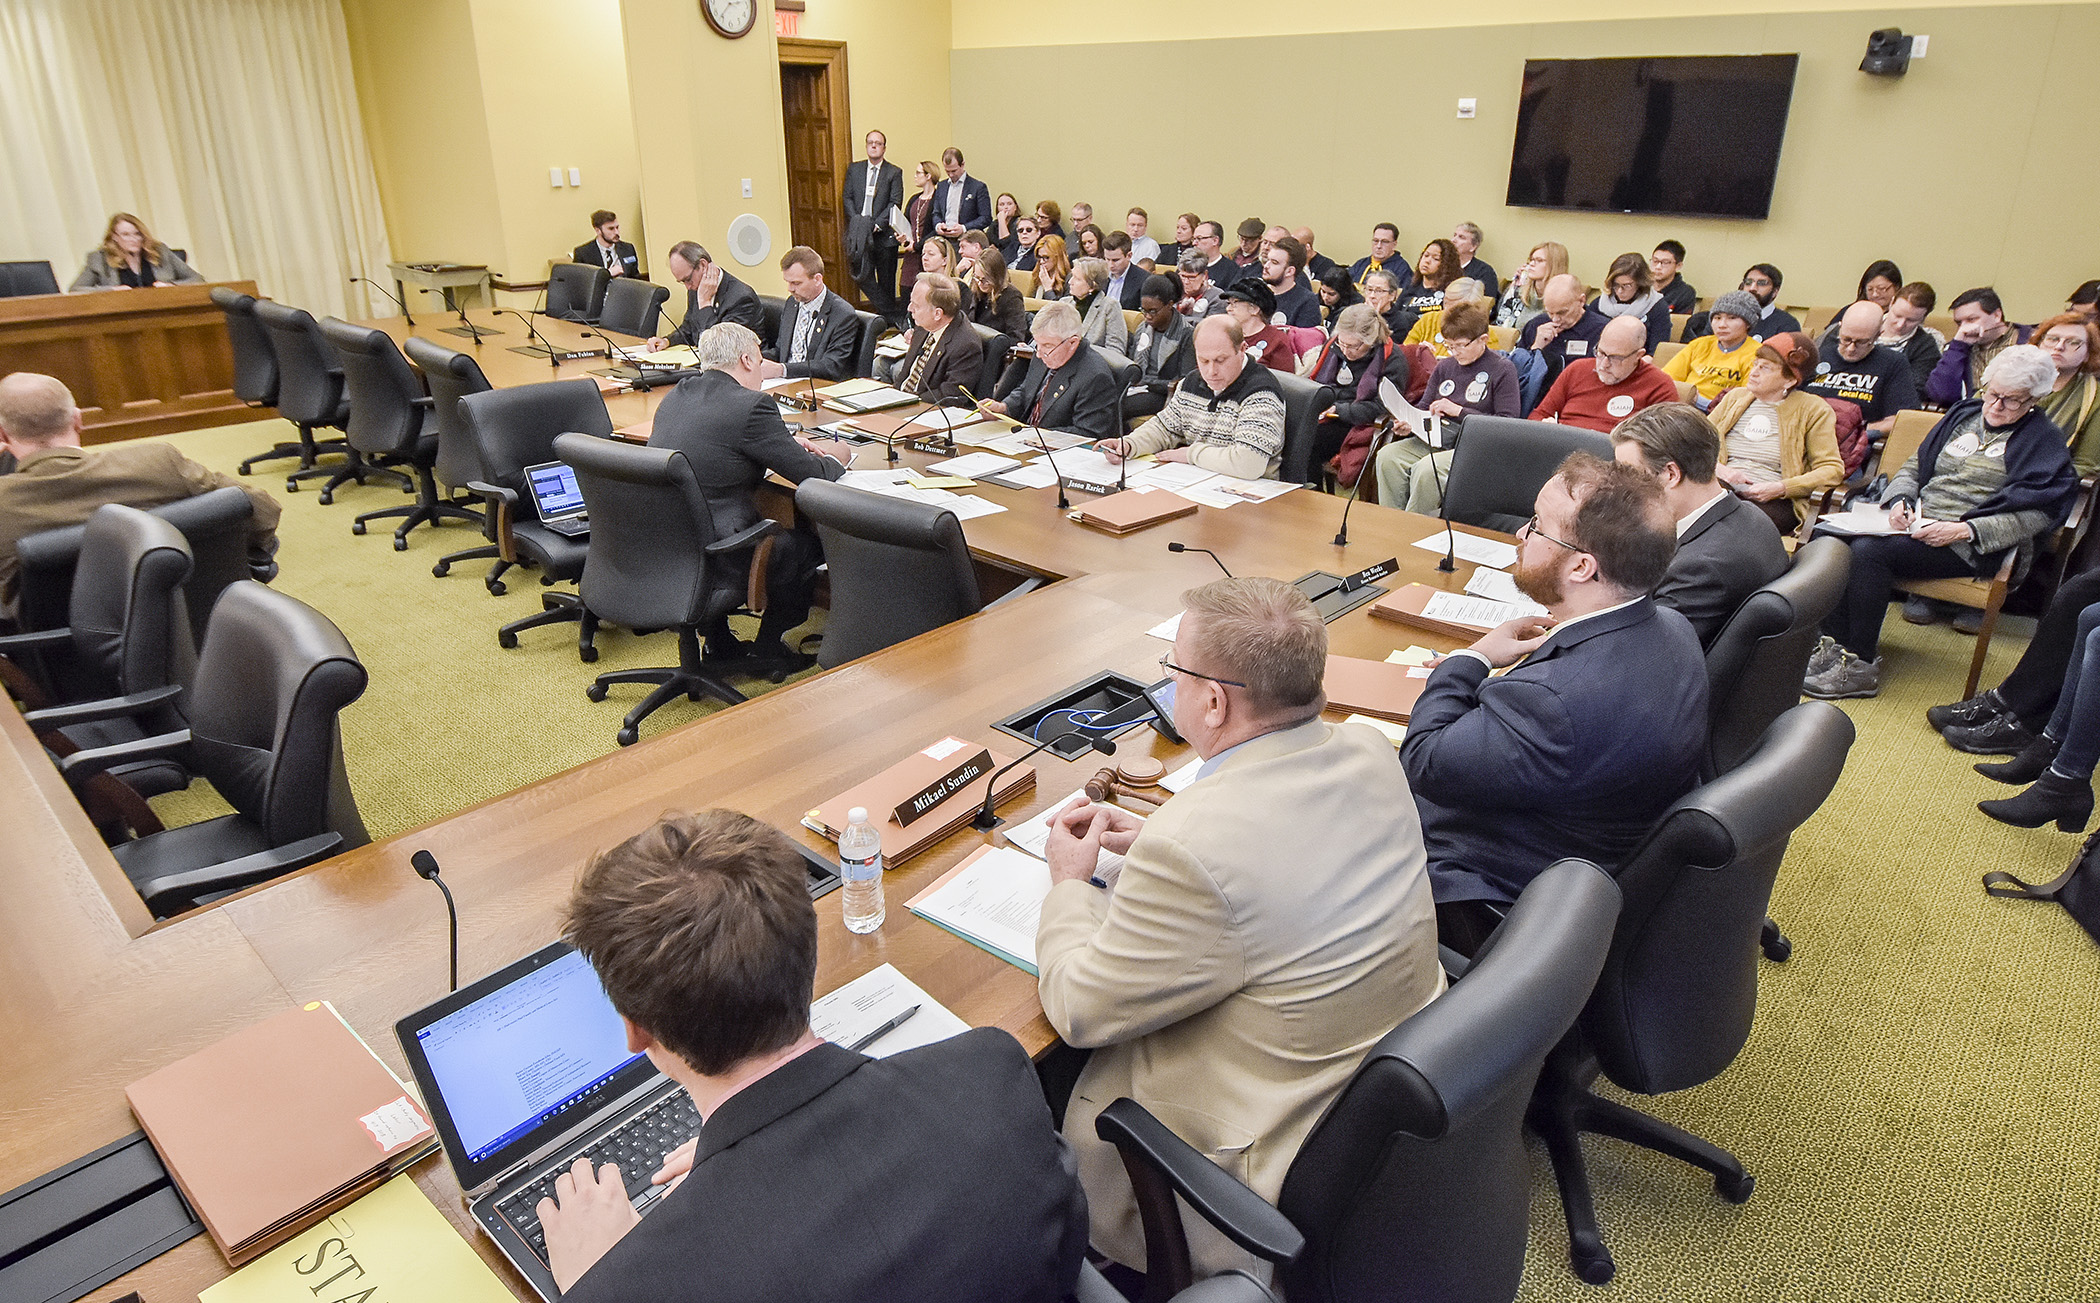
[1919, 1100]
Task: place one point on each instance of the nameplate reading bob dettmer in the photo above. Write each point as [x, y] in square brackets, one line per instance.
[947, 785]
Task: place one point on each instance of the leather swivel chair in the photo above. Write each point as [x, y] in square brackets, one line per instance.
[897, 568]
[1303, 401]
[254, 366]
[451, 376]
[1501, 464]
[20, 279]
[1674, 1003]
[391, 418]
[575, 291]
[1126, 371]
[1229, 1287]
[1414, 1185]
[1754, 668]
[311, 394]
[512, 429]
[655, 563]
[871, 328]
[630, 306]
[264, 731]
[997, 344]
[771, 309]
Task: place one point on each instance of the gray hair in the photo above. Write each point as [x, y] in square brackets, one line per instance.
[1392, 282]
[2023, 366]
[1264, 633]
[37, 408]
[692, 253]
[1472, 233]
[1096, 272]
[1361, 321]
[1058, 317]
[1463, 290]
[724, 344]
[1194, 260]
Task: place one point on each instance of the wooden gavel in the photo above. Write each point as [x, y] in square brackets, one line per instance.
[1104, 785]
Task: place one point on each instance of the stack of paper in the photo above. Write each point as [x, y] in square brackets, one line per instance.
[872, 999]
[393, 1244]
[993, 900]
[1034, 837]
[1501, 586]
[1229, 491]
[871, 400]
[975, 464]
[1471, 547]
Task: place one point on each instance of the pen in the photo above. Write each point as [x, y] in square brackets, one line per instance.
[884, 1030]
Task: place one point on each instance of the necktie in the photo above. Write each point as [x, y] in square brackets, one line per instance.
[867, 205]
[805, 322]
[610, 251]
[1042, 400]
[918, 366]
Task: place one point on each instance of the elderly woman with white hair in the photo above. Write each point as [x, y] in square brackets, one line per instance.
[1991, 478]
[1104, 326]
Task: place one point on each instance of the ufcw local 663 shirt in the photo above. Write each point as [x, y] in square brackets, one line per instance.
[1880, 382]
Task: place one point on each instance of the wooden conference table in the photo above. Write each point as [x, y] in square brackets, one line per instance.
[97, 996]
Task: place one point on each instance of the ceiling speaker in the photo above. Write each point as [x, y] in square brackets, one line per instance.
[749, 240]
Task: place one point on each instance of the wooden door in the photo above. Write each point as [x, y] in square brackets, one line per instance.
[819, 148]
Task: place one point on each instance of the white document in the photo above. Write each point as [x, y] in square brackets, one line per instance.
[1176, 475]
[873, 400]
[894, 346]
[1470, 547]
[1183, 776]
[973, 464]
[945, 418]
[1035, 475]
[872, 999]
[1093, 466]
[1055, 440]
[1866, 520]
[1167, 629]
[1476, 612]
[1034, 837]
[1411, 656]
[1430, 428]
[1229, 491]
[1501, 586]
[781, 382]
[968, 506]
[1000, 440]
[881, 481]
[1396, 732]
[997, 900]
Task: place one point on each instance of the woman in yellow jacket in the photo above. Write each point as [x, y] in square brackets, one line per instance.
[1779, 445]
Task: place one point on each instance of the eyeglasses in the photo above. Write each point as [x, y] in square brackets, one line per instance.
[1171, 668]
[1532, 527]
[2007, 400]
[1848, 342]
[1603, 356]
[1756, 283]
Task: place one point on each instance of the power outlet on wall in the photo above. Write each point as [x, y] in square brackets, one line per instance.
[1468, 108]
[554, 177]
[575, 176]
[747, 187]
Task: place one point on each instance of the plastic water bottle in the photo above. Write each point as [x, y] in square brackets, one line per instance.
[860, 870]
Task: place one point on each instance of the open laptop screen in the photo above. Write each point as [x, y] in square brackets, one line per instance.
[555, 493]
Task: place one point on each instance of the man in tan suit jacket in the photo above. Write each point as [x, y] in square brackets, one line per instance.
[56, 482]
[1269, 924]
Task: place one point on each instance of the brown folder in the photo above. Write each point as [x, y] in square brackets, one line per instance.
[883, 793]
[1404, 605]
[1130, 511]
[1378, 688]
[275, 1127]
[883, 425]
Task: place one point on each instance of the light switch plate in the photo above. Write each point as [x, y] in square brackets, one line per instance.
[576, 176]
[1468, 107]
[554, 177]
[1917, 46]
[747, 187]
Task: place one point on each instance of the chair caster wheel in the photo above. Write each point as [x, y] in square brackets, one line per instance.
[1595, 1271]
[596, 692]
[401, 545]
[291, 486]
[627, 737]
[1736, 1189]
[587, 654]
[408, 488]
[777, 676]
[497, 588]
[357, 527]
[1779, 950]
[244, 470]
[327, 497]
[440, 570]
[506, 640]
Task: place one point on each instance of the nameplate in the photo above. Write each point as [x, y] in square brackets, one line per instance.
[929, 798]
[1088, 486]
[1370, 574]
[578, 354]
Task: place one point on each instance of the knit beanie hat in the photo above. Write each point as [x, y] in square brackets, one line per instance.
[1738, 303]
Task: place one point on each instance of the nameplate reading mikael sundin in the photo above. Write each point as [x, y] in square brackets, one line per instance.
[947, 785]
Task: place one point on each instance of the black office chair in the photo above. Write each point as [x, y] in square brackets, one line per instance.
[1303, 401]
[254, 363]
[391, 416]
[1230, 1287]
[1126, 371]
[997, 344]
[310, 394]
[1501, 464]
[451, 376]
[630, 306]
[576, 291]
[1679, 990]
[1414, 1185]
[21, 279]
[871, 328]
[655, 563]
[772, 309]
[264, 731]
[513, 429]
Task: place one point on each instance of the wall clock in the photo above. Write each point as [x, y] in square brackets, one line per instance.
[732, 18]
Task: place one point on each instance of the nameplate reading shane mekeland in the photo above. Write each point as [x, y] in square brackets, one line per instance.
[947, 785]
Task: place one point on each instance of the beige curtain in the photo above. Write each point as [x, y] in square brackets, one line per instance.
[229, 126]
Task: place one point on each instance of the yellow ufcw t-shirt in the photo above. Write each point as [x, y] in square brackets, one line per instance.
[1708, 369]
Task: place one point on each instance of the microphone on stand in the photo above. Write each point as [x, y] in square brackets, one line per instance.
[473, 331]
[532, 332]
[367, 280]
[1183, 547]
[1443, 513]
[426, 865]
[1341, 536]
[987, 819]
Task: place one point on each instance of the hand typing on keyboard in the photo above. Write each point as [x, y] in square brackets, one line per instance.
[676, 1164]
[586, 1216]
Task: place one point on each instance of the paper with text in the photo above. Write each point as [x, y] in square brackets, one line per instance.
[872, 999]
[996, 900]
[1471, 547]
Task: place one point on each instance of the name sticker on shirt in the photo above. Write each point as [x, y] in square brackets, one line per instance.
[1620, 405]
[1964, 446]
[1995, 450]
[1578, 348]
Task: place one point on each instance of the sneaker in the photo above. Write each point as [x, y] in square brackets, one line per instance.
[2000, 735]
[1968, 620]
[1823, 657]
[1850, 677]
[1979, 709]
[1922, 610]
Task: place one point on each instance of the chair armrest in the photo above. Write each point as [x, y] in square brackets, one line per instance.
[493, 492]
[36, 640]
[495, 522]
[425, 401]
[1455, 965]
[1022, 589]
[88, 712]
[83, 765]
[742, 539]
[174, 892]
[1244, 1216]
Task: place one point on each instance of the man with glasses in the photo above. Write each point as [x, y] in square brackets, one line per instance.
[1598, 392]
[1068, 386]
[1991, 477]
[1226, 417]
[1566, 331]
[1577, 750]
[1385, 241]
[1222, 270]
[1857, 368]
[712, 296]
[1264, 928]
[1762, 283]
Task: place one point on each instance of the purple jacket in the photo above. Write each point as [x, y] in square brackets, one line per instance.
[1949, 382]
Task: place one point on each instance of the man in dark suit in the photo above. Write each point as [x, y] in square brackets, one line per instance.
[819, 331]
[1726, 548]
[1126, 280]
[961, 203]
[711, 295]
[1068, 385]
[873, 187]
[607, 249]
[1577, 750]
[818, 1173]
[732, 434]
[1222, 270]
[944, 355]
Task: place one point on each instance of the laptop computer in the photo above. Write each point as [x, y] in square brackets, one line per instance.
[527, 1070]
[558, 498]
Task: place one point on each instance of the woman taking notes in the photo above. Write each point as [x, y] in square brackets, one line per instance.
[130, 258]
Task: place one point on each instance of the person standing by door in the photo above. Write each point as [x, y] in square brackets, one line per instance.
[874, 189]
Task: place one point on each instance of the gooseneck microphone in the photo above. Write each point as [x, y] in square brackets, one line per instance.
[1443, 512]
[1183, 547]
[988, 819]
[1341, 536]
[391, 297]
[532, 331]
[426, 864]
[473, 331]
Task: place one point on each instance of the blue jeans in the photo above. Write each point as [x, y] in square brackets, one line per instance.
[2076, 723]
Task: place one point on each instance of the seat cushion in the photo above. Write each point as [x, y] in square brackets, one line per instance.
[193, 846]
[555, 554]
[150, 778]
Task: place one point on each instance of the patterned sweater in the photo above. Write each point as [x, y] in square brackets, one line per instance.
[1237, 432]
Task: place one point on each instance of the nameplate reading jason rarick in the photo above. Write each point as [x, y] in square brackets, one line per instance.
[956, 779]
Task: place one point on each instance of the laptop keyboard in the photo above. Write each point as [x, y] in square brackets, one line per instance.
[638, 1146]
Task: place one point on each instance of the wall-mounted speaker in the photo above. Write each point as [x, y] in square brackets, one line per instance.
[1888, 53]
[750, 240]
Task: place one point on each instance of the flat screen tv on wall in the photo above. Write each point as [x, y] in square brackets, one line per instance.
[1682, 136]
